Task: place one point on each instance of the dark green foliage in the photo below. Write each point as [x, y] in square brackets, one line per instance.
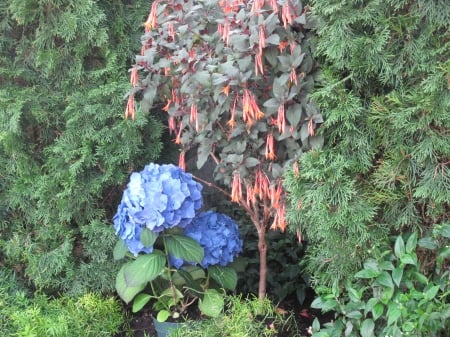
[385, 99]
[65, 148]
[286, 278]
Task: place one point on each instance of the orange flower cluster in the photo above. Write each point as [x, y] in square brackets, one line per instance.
[151, 20]
[250, 109]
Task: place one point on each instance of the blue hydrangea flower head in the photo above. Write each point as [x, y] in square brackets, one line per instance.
[159, 197]
[219, 236]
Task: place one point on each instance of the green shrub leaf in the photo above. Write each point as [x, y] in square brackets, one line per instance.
[367, 328]
[367, 273]
[140, 301]
[148, 237]
[385, 279]
[120, 249]
[212, 303]
[225, 276]
[377, 310]
[184, 247]
[144, 269]
[411, 243]
[397, 275]
[428, 243]
[126, 292]
[399, 247]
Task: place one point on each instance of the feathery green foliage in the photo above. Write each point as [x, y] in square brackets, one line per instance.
[385, 99]
[65, 148]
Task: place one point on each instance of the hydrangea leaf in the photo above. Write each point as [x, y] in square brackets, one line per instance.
[144, 269]
[212, 303]
[140, 301]
[126, 292]
[225, 276]
[148, 237]
[120, 249]
[184, 247]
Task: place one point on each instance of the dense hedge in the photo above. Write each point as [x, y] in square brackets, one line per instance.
[65, 148]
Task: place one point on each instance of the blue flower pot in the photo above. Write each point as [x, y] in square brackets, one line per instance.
[163, 329]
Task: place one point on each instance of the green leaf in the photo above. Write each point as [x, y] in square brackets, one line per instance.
[148, 237]
[120, 249]
[273, 39]
[140, 301]
[377, 310]
[184, 247]
[317, 303]
[144, 269]
[212, 303]
[162, 316]
[386, 295]
[251, 162]
[126, 292]
[354, 315]
[397, 275]
[316, 325]
[411, 243]
[428, 243]
[444, 253]
[393, 313]
[225, 276]
[385, 279]
[399, 247]
[420, 277]
[408, 259]
[367, 328]
[431, 293]
[367, 273]
[353, 294]
[444, 230]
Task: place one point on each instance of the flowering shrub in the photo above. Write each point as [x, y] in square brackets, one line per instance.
[218, 234]
[157, 217]
[158, 198]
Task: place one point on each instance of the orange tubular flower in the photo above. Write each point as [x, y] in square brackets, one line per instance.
[167, 106]
[178, 138]
[274, 5]
[270, 148]
[259, 67]
[293, 76]
[182, 161]
[281, 120]
[129, 111]
[286, 14]
[134, 78]
[232, 122]
[151, 20]
[236, 188]
[257, 6]
[250, 109]
[311, 127]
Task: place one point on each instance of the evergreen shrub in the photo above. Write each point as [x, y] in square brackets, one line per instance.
[384, 168]
[65, 147]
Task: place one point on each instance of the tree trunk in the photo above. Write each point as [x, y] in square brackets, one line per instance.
[262, 248]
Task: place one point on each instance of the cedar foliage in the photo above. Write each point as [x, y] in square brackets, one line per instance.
[65, 147]
[385, 98]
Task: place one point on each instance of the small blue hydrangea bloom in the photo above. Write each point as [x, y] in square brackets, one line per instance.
[159, 197]
[219, 236]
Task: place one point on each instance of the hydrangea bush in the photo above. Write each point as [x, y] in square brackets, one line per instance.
[218, 234]
[182, 251]
[158, 198]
